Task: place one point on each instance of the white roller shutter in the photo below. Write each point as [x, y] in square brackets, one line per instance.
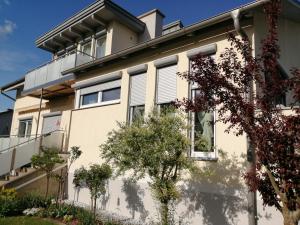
[166, 84]
[101, 87]
[138, 89]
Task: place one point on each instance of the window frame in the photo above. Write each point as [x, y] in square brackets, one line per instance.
[99, 102]
[95, 47]
[85, 44]
[131, 109]
[26, 134]
[202, 155]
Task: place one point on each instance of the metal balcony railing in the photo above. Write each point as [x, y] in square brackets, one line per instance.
[16, 152]
[52, 71]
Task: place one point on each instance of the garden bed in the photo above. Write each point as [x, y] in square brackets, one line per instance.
[23, 220]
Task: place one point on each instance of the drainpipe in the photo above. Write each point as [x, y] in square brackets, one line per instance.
[7, 96]
[251, 196]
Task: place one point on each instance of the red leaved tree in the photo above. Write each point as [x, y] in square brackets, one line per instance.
[247, 93]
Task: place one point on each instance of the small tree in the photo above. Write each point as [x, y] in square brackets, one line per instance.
[74, 154]
[46, 162]
[95, 179]
[273, 135]
[156, 148]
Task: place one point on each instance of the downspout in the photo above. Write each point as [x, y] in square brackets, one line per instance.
[7, 96]
[252, 198]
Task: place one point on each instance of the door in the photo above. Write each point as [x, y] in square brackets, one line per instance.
[51, 123]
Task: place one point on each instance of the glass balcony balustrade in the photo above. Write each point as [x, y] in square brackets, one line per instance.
[51, 72]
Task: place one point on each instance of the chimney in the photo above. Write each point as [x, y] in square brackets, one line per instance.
[154, 25]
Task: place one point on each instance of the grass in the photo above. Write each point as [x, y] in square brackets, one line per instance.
[22, 220]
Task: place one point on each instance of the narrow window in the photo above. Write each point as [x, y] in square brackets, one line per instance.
[87, 48]
[203, 133]
[137, 96]
[25, 128]
[166, 86]
[100, 47]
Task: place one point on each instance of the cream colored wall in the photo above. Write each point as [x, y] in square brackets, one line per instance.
[29, 106]
[89, 129]
[119, 37]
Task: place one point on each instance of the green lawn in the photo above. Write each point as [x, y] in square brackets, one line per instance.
[25, 221]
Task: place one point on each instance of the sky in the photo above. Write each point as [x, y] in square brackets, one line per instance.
[23, 21]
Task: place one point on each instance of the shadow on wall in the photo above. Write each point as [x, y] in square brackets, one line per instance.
[217, 192]
[134, 198]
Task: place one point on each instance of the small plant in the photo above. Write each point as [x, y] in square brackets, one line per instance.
[46, 162]
[95, 179]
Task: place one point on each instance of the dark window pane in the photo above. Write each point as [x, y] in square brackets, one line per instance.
[22, 128]
[90, 99]
[112, 94]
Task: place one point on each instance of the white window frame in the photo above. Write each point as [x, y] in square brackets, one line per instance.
[84, 44]
[209, 155]
[131, 112]
[26, 121]
[95, 47]
[99, 102]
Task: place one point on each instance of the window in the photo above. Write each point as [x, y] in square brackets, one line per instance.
[203, 133]
[89, 99]
[100, 94]
[137, 96]
[100, 47]
[136, 112]
[166, 86]
[87, 48]
[110, 95]
[25, 128]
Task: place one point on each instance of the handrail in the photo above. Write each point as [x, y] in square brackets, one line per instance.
[35, 138]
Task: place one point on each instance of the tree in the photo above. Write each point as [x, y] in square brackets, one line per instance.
[46, 162]
[155, 148]
[74, 154]
[95, 179]
[273, 135]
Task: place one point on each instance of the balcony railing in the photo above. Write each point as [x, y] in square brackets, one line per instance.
[51, 72]
[16, 152]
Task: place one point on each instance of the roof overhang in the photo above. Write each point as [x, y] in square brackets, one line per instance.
[91, 20]
[13, 85]
[291, 8]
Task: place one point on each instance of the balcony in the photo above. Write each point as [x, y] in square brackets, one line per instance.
[49, 76]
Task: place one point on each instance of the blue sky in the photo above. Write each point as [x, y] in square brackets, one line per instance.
[22, 21]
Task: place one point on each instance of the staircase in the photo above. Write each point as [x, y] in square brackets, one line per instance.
[16, 153]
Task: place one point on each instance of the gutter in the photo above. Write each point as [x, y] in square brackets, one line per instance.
[7, 96]
[154, 42]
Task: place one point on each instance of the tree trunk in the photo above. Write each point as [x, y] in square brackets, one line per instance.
[95, 207]
[288, 219]
[164, 213]
[47, 185]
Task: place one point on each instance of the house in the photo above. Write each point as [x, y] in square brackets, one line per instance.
[109, 65]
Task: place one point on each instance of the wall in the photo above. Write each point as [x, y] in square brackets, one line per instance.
[119, 38]
[29, 106]
[217, 200]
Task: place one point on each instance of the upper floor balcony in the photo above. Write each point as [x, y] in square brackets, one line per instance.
[49, 76]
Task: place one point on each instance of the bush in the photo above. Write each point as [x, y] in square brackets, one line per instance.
[13, 205]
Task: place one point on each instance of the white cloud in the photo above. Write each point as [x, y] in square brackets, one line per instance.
[7, 28]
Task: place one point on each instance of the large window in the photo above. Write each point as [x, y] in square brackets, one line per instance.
[137, 96]
[100, 47]
[25, 128]
[100, 94]
[203, 133]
